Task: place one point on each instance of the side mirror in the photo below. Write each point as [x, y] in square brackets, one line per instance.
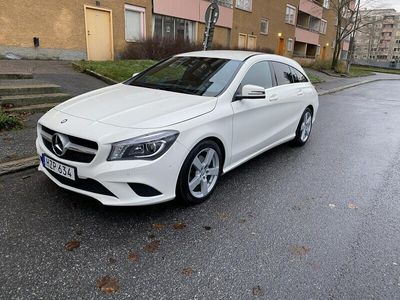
[250, 91]
[135, 74]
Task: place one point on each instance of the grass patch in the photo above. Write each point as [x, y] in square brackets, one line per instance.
[8, 122]
[368, 70]
[117, 70]
[314, 78]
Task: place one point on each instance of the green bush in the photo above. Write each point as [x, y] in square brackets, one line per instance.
[8, 122]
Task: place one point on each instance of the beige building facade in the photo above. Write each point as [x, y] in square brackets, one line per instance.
[101, 30]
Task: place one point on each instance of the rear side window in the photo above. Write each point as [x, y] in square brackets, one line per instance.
[298, 76]
[282, 73]
[259, 74]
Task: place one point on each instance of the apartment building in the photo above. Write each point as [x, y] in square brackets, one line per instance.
[102, 29]
[379, 39]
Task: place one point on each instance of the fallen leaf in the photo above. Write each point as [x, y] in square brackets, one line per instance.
[207, 227]
[132, 256]
[158, 226]
[352, 206]
[107, 284]
[71, 245]
[187, 271]
[112, 260]
[299, 250]
[223, 216]
[258, 291]
[332, 206]
[152, 246]
[179, 226]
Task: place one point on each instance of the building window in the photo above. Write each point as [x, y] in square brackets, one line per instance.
[264, 26]
[323, 26]
[318, 50]
[290, 14]
[135, 23]
[290, 45]
[244, 4]
[326, 4]
[226, 3]
[173, 28]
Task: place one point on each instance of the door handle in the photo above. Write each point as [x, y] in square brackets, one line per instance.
[300, 93]
[274, 98]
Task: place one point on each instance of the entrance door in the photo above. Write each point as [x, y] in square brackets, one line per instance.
[323, 53]
[99, 34]
[242, 44]
[281, 46]
[251, 42]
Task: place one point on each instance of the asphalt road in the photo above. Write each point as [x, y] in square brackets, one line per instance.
[317, 222]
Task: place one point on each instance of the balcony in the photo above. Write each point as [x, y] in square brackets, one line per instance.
[305, 36]
[311, 8]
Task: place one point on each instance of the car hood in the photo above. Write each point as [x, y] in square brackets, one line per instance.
[135, 107]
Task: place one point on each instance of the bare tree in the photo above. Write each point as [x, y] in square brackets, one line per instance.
[348, 22]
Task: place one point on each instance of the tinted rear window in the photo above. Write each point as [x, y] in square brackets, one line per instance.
[282, 73]
[298, 76]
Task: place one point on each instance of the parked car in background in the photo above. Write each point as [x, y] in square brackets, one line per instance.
[173, 129]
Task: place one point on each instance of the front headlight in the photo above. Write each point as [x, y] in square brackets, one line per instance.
[148, 147]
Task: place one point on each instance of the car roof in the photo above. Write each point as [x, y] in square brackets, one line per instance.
[238, 55]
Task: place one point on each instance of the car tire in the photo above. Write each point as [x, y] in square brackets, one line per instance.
[304, 128]
[200, 173]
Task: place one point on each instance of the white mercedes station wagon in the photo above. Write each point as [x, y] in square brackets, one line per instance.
[175, 128]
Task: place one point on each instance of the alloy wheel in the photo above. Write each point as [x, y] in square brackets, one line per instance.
[306, 125]
[203, 173]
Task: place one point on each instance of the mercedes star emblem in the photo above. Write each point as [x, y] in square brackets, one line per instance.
[59, 144]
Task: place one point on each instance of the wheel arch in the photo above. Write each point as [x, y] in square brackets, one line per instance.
[220, 145]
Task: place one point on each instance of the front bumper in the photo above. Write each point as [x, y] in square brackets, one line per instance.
[115, 176]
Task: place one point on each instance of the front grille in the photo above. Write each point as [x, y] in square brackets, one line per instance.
[79, 150]
[89, 185]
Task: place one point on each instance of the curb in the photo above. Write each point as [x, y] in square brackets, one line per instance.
[94, 74]
[19, 165]
[344, 87]
[31, 162]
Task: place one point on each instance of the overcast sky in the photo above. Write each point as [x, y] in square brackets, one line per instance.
[382, 4]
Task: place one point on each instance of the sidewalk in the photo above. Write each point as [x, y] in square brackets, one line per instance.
[20, 144]
[333, 84]
[17, 148]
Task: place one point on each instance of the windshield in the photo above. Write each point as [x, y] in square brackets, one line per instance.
[201, 76]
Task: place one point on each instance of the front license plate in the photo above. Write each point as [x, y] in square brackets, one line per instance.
[58, 168]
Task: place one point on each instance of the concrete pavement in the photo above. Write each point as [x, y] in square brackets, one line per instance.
[311, 223]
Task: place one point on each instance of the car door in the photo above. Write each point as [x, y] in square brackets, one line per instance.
[288, 101]
[252, 118]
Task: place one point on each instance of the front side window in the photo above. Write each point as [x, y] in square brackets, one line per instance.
[200, 76]
[259, 74]
[134, 23]
[282, 73]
